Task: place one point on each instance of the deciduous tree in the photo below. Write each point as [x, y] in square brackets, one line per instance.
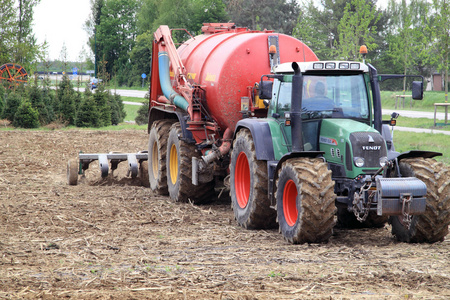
[441, 34]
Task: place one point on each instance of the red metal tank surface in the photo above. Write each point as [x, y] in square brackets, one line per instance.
[227, 62]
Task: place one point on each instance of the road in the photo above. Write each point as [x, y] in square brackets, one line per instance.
[404, 113]
[130, 93]
[415, 114]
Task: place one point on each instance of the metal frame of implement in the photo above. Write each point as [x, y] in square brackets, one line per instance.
[134, 159]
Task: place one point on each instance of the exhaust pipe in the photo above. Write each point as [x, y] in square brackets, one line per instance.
[166, 86]
[296, 109]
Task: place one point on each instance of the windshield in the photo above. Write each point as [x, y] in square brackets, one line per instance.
[328, 97]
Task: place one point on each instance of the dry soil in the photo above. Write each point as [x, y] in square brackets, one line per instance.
[113, 239]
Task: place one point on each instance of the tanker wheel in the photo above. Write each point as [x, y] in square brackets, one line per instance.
[305, 201]
[157, 150]
[432, 226]
[143, 173]
[179, 171]
[72, 172]
[347, 219]
[248, 185]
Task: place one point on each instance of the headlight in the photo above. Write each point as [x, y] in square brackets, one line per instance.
[359, 161]
[383, 161]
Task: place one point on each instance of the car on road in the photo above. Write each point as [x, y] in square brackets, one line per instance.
[94, 83]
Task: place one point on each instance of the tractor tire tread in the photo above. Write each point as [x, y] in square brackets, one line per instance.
[432, 226]
[318, 208]
[187, 192]
[261, 215]
[159, 185]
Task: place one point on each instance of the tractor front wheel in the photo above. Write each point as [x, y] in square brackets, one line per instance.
[248, 185]
[305, 201]
[432, 226]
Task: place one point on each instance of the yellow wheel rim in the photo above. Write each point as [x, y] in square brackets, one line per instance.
[155, 159]
[173, 165]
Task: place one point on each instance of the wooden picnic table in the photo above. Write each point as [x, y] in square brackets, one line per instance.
[446, 105]
[402, 100]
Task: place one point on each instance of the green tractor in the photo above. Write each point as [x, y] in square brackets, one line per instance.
[323, 150]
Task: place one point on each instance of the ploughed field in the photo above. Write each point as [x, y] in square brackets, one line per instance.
[113, 239]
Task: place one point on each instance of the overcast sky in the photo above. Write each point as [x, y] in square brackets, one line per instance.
[61, 21]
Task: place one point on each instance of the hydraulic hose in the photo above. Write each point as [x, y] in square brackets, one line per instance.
[166, 86]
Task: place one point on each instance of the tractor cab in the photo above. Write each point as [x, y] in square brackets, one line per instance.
[335, 102]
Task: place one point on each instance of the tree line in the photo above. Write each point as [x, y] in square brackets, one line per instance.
[34, 105]
[37, 103]
[405, 37]
[17, 41]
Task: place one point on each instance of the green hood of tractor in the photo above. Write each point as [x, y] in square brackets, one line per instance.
[343, 139]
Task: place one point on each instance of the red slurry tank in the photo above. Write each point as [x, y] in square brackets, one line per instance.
[227, 61]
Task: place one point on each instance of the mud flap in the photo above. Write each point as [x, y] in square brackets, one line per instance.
[397, 196]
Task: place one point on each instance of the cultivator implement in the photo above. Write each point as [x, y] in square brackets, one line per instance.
[106, 161]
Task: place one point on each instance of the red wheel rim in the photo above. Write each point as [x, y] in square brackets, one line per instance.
[290, 203]
[242, 180]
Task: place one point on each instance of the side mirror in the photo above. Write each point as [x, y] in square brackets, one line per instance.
[417, 90]
[265, 89]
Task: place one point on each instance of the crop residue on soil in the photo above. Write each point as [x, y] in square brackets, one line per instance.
[112, 239]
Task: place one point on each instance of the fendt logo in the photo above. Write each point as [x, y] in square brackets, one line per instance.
[371, 148]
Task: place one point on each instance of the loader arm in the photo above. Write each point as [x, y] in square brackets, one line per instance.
[164, 45]
[163, 39]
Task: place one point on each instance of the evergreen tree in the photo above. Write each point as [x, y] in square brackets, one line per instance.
[35, 96]
[67, 101]
[88, 114]
[142, 114]
[13, 101]
[26, 116]
[101, 99]
[117, 109]
[2, 98]
[48, 97]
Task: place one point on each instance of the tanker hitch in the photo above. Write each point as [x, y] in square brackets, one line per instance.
[202, 168]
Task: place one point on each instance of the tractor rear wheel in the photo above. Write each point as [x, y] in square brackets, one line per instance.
[248, 185]
[157, 149]
[305, 201]
[432, 226]
[179, 170]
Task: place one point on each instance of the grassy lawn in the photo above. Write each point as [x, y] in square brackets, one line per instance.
[427, 104]
[134, 88]
[419, 123]
[133, 99]
[131, 111]
[405, 141]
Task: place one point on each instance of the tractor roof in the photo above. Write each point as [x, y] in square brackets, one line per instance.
[331, 66]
